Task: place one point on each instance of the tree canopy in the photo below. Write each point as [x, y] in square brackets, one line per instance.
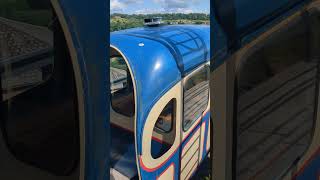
[126, 21]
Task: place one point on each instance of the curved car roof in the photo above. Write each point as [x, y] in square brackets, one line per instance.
[188, 45]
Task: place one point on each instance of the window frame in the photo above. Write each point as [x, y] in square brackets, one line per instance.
[241, 56]
[206, 67]
[146, 158]
[170, 132]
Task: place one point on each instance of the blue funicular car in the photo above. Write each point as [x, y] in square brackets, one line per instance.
[159, 110]
[264, 100]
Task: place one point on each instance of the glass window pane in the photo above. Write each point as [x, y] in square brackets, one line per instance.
[165, 120]
[164, 132]
[277, 89]
[122, 97]
[196, 96]
[39, 117]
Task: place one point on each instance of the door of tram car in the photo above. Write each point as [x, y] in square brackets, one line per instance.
[175, 133]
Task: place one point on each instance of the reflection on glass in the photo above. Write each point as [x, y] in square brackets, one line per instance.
[165, 120]
[163, 135]
[26, 46]
[122, 98]
[118, 74]
[277, 88]
[196, 96]
[38, 101]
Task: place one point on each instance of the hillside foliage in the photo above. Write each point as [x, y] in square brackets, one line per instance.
[125, 21]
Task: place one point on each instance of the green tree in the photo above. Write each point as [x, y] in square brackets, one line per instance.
[125, 21]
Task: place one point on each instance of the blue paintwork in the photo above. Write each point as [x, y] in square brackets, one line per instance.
[188, 44]
[155, 71]
[83, 17]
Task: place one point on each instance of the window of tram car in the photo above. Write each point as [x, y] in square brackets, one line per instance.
[122, 96]
[39, 133]
[196, 97]
[163, 135]
[277, 92]
[164, 123]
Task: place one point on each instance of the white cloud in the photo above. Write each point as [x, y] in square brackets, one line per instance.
[176, 3]
[163, 11]
[160, 6]
[120, 5]
[184, 10]
[148, 11]
[116, 5]
[177, 6]
[173, 3]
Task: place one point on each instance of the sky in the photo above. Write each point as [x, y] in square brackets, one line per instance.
[159, 6]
